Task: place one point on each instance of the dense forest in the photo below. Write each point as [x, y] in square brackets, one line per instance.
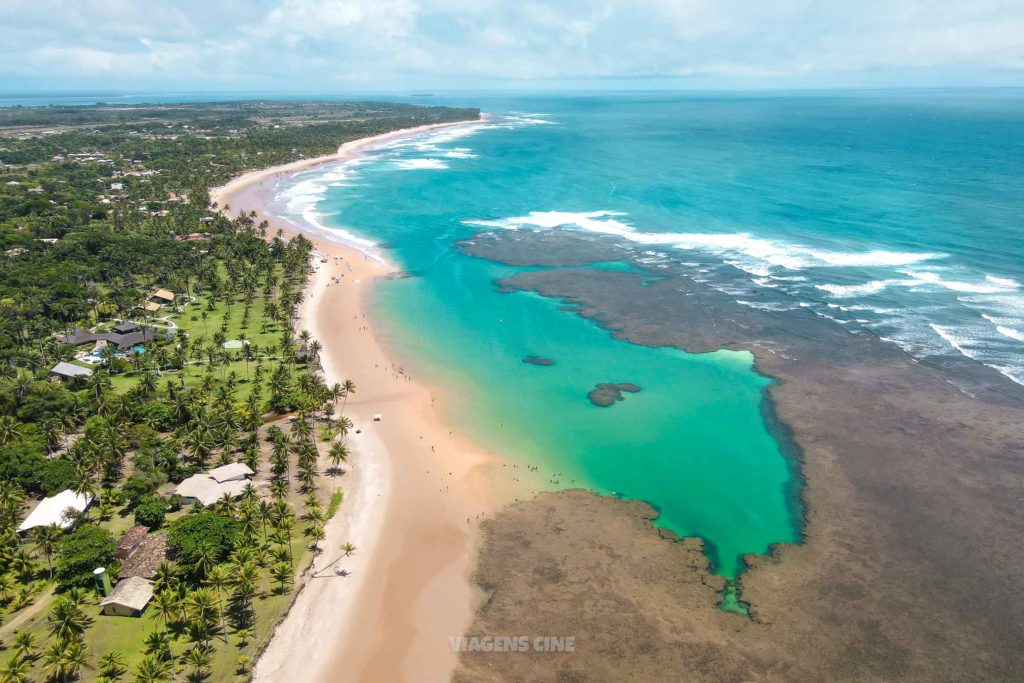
[146, 338]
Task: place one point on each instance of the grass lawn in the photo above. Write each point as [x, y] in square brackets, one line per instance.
[221, 318]
[127, 634]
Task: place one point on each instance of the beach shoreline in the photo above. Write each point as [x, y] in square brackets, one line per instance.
[414, 493]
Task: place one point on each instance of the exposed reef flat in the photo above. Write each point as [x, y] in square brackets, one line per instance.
[607, 393]
[538, 360]
[911, 566]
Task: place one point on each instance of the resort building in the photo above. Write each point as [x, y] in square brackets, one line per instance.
[162, 296]
[69, 371]
[135, 336]
[129, 598]
[229, 480]
[53, 510]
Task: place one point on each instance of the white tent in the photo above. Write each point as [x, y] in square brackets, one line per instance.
[51, 510]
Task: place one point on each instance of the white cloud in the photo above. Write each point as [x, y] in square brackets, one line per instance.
[295, 43]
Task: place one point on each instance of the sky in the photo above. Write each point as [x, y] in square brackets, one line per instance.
[337, 45]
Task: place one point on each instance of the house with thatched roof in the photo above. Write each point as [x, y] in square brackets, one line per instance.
[129, 597]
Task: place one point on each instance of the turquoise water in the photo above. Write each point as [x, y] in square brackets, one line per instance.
[692, 443]
[896, 215]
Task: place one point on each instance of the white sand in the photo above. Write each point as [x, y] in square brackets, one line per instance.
[415, 491]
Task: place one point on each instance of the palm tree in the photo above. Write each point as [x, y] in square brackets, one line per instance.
[338, 454]
[6, 587]
[164, 576]
[84, 484]
[158, 644]
[67, 620]
[112, 664]
[199, 659]
[25, 645]
[218, 579]
[47, 542]
[64, 661]
[15, 671]
[23, 565]
[348, 549]
[350, 388]
[282, 573]
[163, 606]
[152, 670]
[10, 429]
[76, 657]
[205, 558]
[204, 614]
[317, 533]
[279, 489]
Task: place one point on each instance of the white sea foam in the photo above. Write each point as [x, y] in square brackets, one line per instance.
[955, 339]
[755, 255]
[931, 278]
[1004, 282]
[1010, 333]
[845, 291]
[765, 305]
[420, 164]
[460, 153]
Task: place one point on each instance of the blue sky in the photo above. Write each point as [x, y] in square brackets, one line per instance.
[337, 45]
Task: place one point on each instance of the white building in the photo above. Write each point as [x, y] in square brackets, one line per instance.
[234, 471]
[51, 510]
[206, 489]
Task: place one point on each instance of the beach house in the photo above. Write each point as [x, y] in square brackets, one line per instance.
[129, 597]
[209, 487]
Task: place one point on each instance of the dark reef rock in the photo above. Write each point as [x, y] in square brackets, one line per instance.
[607, 393]
[538, 360]
[884, 535]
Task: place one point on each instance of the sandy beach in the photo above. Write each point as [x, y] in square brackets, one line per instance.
[414, 490]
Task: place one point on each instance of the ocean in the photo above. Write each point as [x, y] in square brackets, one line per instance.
[893, 214]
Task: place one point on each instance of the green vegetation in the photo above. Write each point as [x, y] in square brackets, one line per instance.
[101, 207]
[81, 551]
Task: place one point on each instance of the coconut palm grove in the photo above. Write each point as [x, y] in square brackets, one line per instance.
[169, 451]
